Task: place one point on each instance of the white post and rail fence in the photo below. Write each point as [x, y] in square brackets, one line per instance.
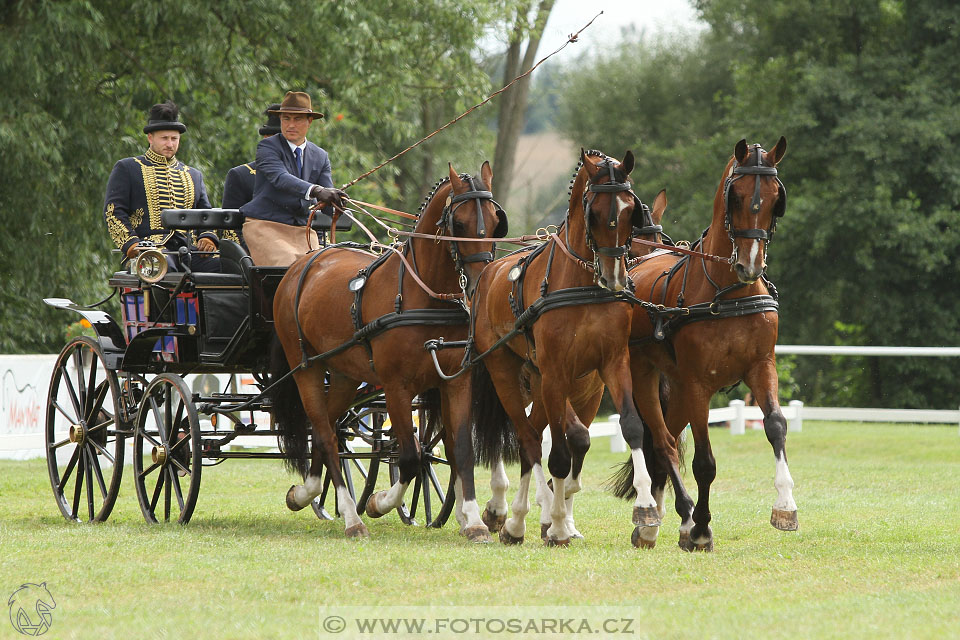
[24, 380]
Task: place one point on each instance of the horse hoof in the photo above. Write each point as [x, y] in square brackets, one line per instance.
[553, 542]
[646, 516]
[703, 546]
[358, 530]
[508, 539]
[685, 542]
[291, 503]
[493, 521]
[784, 520]
[478, 533]
[641, 538]
[371, 507]
[543, 531]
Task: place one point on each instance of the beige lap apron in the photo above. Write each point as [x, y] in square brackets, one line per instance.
[273, 244]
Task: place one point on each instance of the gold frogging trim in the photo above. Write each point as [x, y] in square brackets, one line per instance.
[168, 185]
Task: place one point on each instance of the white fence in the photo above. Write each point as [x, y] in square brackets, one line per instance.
[24, 380]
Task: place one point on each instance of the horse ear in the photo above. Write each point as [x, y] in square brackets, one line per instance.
[627, 165]
[486, 173]
[455, 180]
[778, 151]
[740, 151]
[659, 206]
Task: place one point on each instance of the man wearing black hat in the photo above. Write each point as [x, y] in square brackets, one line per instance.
[141, 187]
[240, 182]
[292, 175]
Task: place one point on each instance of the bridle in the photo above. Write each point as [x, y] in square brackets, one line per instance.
[641, 212]
[446, 221]
[755, 168]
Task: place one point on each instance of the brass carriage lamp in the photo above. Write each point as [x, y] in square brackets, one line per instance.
[150, 265]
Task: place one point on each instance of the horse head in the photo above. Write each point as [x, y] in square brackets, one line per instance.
[651, 230]
[603, 212]
[468, 211]
[749, 201]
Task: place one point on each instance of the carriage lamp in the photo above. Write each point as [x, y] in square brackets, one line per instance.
[151, 265]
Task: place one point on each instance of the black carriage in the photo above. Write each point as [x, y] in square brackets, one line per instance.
[128, 385]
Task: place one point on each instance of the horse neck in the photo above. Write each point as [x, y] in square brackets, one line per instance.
[431, 258]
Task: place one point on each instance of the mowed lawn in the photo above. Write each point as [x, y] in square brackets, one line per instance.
[877, 554]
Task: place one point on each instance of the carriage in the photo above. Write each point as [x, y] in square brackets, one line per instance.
[126, 392]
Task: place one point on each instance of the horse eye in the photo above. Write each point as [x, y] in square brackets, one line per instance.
[458, 228]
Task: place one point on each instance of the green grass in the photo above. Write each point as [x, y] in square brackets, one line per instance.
[877, 554]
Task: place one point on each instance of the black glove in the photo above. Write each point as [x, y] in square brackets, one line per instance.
[329, 195]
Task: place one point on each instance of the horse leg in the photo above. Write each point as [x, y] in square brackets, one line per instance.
[514, 527]
[560, 463]
[456, 401]
[763, 383]
[495, 512]
[659, 445]
[578, 441]
[324, 451]
[619, 382]
[399, 401]
[692, 404]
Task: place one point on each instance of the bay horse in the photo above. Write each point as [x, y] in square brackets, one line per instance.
[371, 318]
[563, 327]
[728, 334]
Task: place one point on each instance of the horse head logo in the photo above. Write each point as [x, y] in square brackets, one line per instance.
[30, 608]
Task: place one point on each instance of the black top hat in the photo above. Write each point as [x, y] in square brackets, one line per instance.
[164, 116]
[272, 125]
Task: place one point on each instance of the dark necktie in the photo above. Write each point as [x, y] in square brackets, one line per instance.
[299, 156]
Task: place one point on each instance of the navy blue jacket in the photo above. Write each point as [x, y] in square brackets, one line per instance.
[278, 194]
[139, 188]
[239, 185]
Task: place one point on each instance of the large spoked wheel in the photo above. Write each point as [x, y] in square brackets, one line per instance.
[434, 486]
[83, 440]
[167, 451]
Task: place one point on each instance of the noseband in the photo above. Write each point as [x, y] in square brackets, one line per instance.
[757, 168]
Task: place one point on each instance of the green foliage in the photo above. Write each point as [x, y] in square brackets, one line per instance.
[80, 76]
[866, 95]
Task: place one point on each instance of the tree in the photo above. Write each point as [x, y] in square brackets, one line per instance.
[513, 102]
[71, 110]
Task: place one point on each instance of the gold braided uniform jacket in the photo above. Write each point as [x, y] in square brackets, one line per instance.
[140, 188]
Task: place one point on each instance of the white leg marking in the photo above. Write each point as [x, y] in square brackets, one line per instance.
[641, 480]
[499, 483]
[458, 510]
[515, 524]
[558, 512]
[544, 495]
[348, 508]
[528, 409]
[391, 498]
[784, 484]
[661, 506]
[307, 491]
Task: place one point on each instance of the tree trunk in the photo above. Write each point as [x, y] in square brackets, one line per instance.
[513, 102]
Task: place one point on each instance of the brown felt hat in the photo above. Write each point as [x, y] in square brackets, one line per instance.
[296, 102]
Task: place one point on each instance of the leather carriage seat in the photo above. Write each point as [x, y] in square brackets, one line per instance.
[235, 259]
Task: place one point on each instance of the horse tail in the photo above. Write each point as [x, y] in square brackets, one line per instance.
[494, 436]
[288, 413]
[620, 484]
[430, 416]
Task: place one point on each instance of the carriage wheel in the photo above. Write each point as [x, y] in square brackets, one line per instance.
[83, 441]
[167, 451]
[433, 486]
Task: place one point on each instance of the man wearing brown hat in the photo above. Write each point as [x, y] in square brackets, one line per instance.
[292, 175]
[141, 187]
[241, 180]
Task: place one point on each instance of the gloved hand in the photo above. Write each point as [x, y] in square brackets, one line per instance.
[329, 195]
[206, 244]
[133, 251]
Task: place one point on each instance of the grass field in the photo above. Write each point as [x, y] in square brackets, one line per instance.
[877, 554]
